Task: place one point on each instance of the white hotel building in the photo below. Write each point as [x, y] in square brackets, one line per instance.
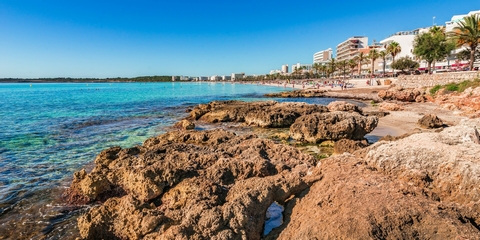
[322, 57]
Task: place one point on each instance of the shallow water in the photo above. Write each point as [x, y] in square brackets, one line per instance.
[49, 131]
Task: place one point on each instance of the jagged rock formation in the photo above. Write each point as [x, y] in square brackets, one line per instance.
[424, 186]
[318, 127]
[262, 114]
[343, 106]
[216, 185]
[188, 184]
[403, 95]
[310, 93]
[184, 124]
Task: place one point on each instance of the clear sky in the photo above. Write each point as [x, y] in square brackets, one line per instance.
[85, 38]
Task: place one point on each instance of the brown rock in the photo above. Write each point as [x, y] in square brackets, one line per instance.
[184, 124]
[343, 106]
[191, 184]
[355, 201]
[317, 127]
[349, 146]
[386, 106]
[430, 121]
[262, 114]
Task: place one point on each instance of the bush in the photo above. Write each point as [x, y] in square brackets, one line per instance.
[435, 89]
[453, 87]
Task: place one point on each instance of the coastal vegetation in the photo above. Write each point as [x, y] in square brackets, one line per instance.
[405, 63]
[433, 46]
[456, 87]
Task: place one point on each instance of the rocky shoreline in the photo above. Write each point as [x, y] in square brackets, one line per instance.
[216, 184]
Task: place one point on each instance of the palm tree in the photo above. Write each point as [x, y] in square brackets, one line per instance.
[383, 55]
[373, 55]
[394, 48]
[332, 66]
[361, 57]
[343, 65]
[323, 69]
[468, 33]
[352, 64]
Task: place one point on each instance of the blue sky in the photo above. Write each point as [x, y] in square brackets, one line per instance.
[53, 38]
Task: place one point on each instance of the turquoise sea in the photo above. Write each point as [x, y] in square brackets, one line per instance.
[50, 130]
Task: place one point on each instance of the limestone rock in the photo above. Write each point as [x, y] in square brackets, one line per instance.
[430, 121]
[355, 201]
[262, 114]
[185, 125]
[317, 127]
[349, 146]
[191, 185]
[343, 106]
[387, 106]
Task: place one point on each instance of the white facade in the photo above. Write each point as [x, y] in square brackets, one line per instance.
[348, 49]
[457, 18]
[285, 68]
[237, 76]
[405, 39]
[215, 78]
[226, 78]
[323, 56]
[308, 67]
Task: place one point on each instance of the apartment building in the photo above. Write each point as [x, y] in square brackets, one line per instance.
[322, 57]
[349, 48]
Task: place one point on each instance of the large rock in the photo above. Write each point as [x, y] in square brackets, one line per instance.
[318, 127]
[423, 186]
[355, 201]
[189, 185]
[447, 161]
[430, 121]
[349, 146]
[262, 114]
[343, 106]
[400, 94]
[184, 124]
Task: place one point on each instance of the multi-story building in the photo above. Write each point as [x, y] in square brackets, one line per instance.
[285, 68]
[349, 48]
[322, 57]
[237, 76]
[226, 78]
[457, 18]
[405, 39]
[215, 78]
[306, 67]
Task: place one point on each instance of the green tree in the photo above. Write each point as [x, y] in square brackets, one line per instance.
[361, 57]
[373, 55]
[467, 33]
[331, 67]
[432, 46]
[352, 64]
[394, 49]
[405, 63]
[383, 55]
[343, 65]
